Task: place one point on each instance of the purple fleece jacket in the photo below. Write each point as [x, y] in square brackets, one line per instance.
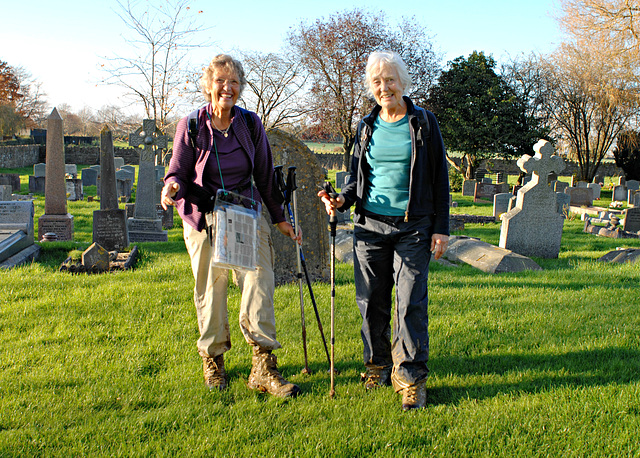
[188, 166]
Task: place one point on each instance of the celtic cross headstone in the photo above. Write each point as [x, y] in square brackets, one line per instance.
[145, 226]
[534, 226]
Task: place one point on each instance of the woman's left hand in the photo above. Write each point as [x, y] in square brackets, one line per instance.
[439, 243]
[287, 229]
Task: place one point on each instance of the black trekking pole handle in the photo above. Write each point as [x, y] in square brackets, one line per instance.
[291, 180]
[333, 219]
[279, 183]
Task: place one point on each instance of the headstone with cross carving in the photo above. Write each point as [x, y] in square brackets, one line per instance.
[534, 226]
[145, 226]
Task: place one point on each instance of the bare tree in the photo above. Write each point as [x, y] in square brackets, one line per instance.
[276, 88]
[588, 104]
[156, 72]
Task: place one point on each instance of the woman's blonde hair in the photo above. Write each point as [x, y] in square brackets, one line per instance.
[221, 61]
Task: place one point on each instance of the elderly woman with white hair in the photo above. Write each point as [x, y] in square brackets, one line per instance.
[400, 187]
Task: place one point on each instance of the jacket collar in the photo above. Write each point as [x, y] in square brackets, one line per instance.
[371, 117]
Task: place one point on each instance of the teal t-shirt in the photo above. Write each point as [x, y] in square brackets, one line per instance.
[389, 157]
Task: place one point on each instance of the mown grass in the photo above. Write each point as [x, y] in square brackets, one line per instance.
[543, 363]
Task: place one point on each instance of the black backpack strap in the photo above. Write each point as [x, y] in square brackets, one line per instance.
[193, 127]
[424, 129]
[251, 124]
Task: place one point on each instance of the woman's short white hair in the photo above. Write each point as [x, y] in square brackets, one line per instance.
[374, 66]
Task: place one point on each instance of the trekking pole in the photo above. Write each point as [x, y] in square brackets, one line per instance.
[291, 187]
[333, 222]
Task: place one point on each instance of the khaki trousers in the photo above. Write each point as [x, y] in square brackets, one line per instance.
[257, 317]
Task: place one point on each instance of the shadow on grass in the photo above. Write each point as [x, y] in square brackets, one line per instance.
[535, 372]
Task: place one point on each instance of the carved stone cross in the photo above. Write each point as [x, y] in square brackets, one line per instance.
[542, 163]
[152, 139]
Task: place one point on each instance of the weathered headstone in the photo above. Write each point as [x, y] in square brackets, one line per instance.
[40, 169]
[486, 191]
[341, 179]
[75, 190]
[55, 218]
[633, 199]
[5, 192]
[124, 184]
[622, 181]
[560, 186]
[469, 187]
[96, 258]
[580, 196]
[480, 174]
[534, 227]
[110, 222]
[501, 204]
[16, 227]
[289, 151]
[71, 170]
[145, 226]
[632, 219]
[118, 162]
[89, 177]
[132, 170]
[622, 256]
[633, 184]
[487, 257]
[596, 190]
[581, 184]
[563, 202]
[12, 179]
[619, 193]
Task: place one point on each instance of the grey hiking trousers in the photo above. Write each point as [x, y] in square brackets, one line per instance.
[388, 252]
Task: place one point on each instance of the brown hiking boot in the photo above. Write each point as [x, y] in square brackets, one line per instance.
[376, 376]
[266, 378]
[215, 377]
[413, 396]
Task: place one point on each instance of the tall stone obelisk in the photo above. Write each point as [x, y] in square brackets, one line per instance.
[110, 222]
[55, 219]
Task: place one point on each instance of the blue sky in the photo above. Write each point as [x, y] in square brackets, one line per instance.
[63, 43]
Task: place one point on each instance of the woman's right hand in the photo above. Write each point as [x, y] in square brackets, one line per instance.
[330, 204]
[168, 193]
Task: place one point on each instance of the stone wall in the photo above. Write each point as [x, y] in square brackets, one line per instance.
[13, 157]
[90, 155]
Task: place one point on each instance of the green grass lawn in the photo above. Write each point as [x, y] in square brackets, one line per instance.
[543, 363]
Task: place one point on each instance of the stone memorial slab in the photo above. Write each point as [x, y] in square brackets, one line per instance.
[110, 222]
[12, 179]
[580, 196]
[118, 162]
[501, 204]
[487, 257]
[290, 151]
[619, 193]
[341, 179]
[534, 226]
[40, 169]
[124, 185]
[16, 227]
[486, 191]
[480, 174]
[89, 177]
[632, 219]
[132, 170]
[71, 170]
[145, 226]
[37, 185]
[469, 187]
[560, 186]
[633, 184]
[621, 256]
[633, 199]
[75, 191]
[55, 219]
[6, 193]
[563, 202]
[596, 190]
[581, 184]
[621, 181]
[96, 258]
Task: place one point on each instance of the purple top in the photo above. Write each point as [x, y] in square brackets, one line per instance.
[239, 159]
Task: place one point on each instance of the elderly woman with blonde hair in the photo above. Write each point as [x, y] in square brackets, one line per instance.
[399, 184]
[228, 151]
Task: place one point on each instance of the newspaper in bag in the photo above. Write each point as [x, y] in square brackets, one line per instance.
[235, 237]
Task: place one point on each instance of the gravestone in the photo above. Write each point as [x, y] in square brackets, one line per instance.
[622, 181]
[132, 171]
[37, 180]
[145, 226]
[40, 169]
[74, 188]
[341, 179]
[632, 219]
[596, 190]
[5, 192]
[480, 174]
[622, 256]
[501, 204]
[633, 199]
[633, 184]
[563, 203]
[501, 177]
[534, 227]
[124, 184]
[486, 191]
[487, 180]
[118, 162]
[581, 184]
[469, 187]
[619, 193]
[110, 222]
[288, 151]
[580, 196]
[89, 177]
[12, 179]
[16, 228]
[96, 258]
[560, 186]
[55, 219]
[487, 257]
[71, 170]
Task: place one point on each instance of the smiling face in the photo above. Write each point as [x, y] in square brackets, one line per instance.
[224, 90]
[387, 89]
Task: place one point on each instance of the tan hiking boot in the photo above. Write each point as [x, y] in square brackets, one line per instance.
[215, 377]
[376, 376]
[413, 396]
[266, 378]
